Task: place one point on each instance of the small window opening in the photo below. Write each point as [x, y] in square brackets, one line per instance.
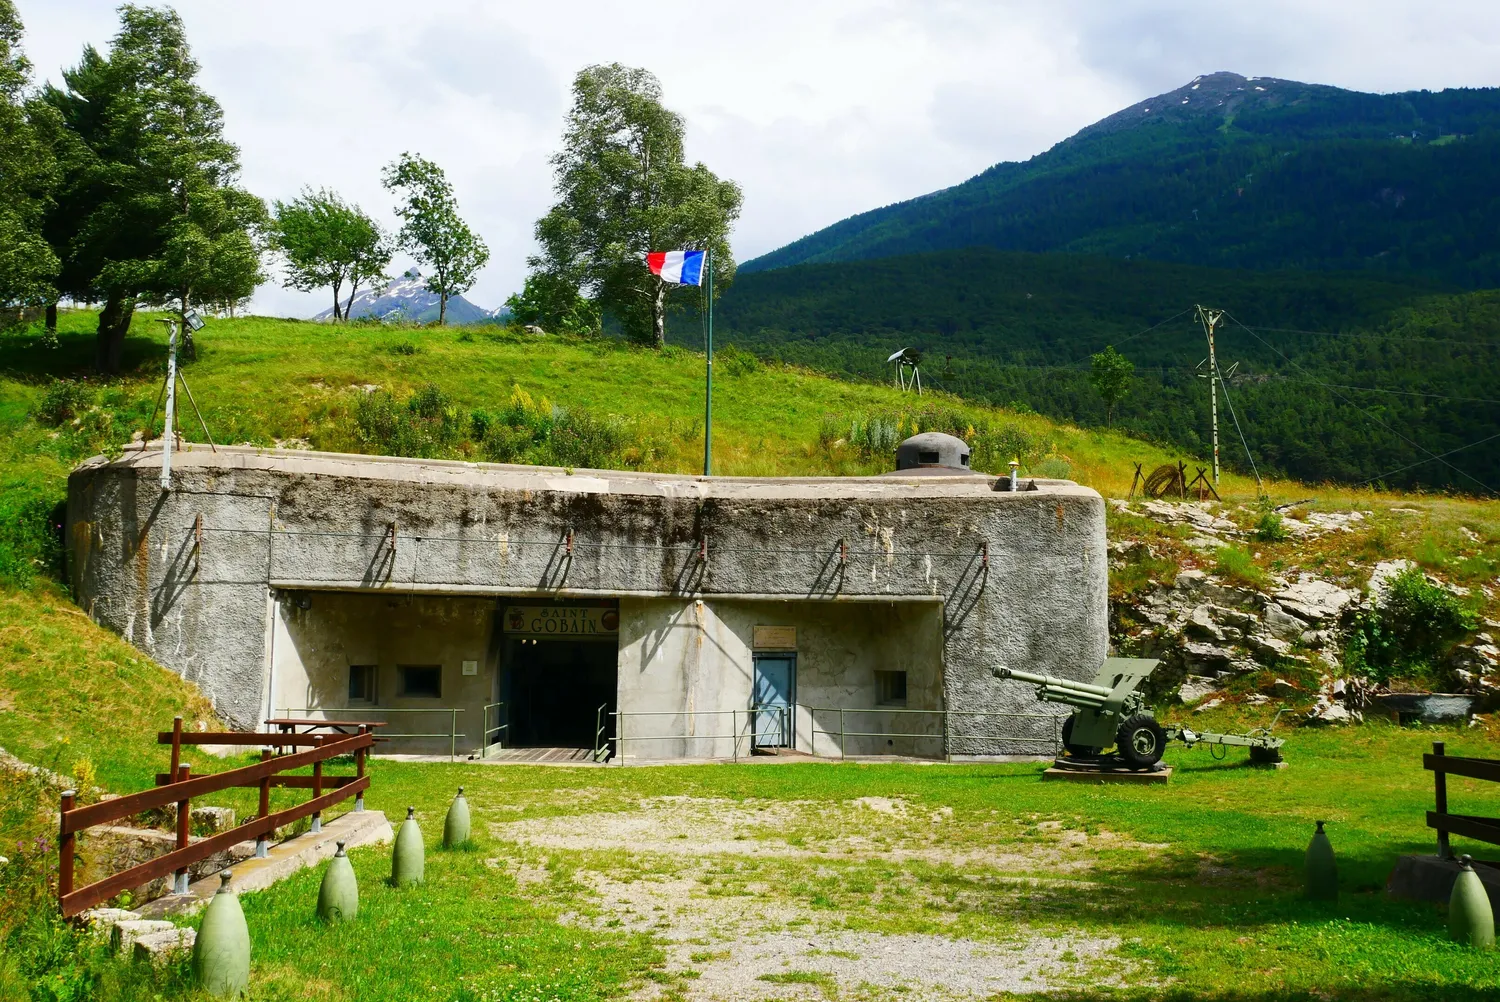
[361, 683]
[890, 688]
[963, 459]
[927, 457]
[420, 681]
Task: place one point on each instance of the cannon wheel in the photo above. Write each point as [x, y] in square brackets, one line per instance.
[1077, 751]
[1141, 740]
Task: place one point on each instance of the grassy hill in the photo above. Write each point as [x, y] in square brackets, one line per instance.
[1345, 376]
[1228, 171]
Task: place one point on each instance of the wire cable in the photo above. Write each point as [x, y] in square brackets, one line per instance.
[1374, 337]
[1414, 445]
[1230, 404]
[1424, 462]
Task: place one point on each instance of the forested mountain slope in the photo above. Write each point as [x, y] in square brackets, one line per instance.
[1344, 376]
[1229, 171]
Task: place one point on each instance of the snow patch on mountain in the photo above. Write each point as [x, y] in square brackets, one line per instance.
[408, 298]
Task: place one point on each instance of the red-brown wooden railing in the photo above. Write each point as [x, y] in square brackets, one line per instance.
[180, 787]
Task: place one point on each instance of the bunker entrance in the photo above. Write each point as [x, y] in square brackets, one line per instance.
[556, 689]
[560, 668]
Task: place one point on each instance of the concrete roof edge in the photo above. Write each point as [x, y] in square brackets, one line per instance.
[580, 480]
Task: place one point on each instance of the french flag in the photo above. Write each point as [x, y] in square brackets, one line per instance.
[683, 267]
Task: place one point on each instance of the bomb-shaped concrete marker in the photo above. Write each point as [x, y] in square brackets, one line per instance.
[1471, 920]
[338, 897]
[456, 825]
[407, 859]
[221, 953]
[1322, 868]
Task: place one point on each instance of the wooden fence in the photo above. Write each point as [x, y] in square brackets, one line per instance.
[180, 787]
[1442, 766]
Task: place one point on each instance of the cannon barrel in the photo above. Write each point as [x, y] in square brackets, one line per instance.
[1064, 684]
[1082, 700]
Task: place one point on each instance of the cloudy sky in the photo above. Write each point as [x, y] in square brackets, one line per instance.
[818, 108]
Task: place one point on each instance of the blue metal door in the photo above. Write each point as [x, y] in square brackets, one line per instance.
[773, 700]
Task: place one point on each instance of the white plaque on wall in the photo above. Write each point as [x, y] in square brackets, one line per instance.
[471, 667]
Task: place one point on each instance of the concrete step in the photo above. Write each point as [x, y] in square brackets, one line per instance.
[354, 829]
[124, 935]
[164, 946]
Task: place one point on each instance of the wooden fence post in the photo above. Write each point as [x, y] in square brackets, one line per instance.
[317, 818]
[176, 749]
[1440, 782]
[65, 847]
[263, 810]
[359, 770]
[184, 829]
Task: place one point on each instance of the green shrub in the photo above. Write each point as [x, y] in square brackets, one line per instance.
[1053, 468]
[1410, 633]
[62, 401]
[28, 533]
[1238, 566]
[424, 427]
[734, 362]
[1269, 527]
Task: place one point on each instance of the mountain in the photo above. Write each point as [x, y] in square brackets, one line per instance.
[1230, 171]
[407, 297]
[1340, 376]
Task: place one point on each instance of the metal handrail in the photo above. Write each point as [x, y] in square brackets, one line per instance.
[484, 736]
[601, 746]
[736, 735]
[452, 733]
[945, 734]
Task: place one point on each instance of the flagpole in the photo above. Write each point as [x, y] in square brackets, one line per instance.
[708, 396]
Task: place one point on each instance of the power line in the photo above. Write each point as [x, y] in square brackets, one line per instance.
[1424, 462]
[1373, 337]
[1366, 413]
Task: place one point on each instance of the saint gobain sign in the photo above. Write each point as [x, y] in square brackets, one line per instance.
[562, 621]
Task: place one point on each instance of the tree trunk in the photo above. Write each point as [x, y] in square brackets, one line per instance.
[189, 349]
[52, 319]
[114, 322]
[442, 308]
[659, 314]
[353, 290]
[338, 283]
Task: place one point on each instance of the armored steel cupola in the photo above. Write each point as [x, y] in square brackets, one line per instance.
[935, 451]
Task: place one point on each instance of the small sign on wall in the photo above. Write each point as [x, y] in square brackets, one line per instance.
[775, 638]
[471, 667]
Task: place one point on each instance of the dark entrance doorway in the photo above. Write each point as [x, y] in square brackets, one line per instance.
[555, 689]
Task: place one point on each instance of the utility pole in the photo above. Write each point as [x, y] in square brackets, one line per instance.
[1210, 319]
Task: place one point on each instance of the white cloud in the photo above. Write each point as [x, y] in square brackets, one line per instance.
[819, 109]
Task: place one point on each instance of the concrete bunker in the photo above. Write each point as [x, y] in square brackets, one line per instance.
[487, 609]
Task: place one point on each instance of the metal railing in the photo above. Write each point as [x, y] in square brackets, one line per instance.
[365, 712]
[601, 744]
[488, 731]
[947, 729]
[736, 735]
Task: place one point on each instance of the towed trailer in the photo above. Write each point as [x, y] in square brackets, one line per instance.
[1111, 712]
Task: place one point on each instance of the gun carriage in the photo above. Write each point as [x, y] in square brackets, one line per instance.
[1111, 712]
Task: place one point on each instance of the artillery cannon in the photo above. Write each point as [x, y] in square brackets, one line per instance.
[1109, 711]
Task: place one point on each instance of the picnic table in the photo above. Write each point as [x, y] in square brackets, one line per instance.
[289, 725]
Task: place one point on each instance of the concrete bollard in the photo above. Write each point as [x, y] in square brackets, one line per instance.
[456, 825]
[1322, 868]
[1471, 920]
[338, 897]
[221, 952]
[407, 857]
